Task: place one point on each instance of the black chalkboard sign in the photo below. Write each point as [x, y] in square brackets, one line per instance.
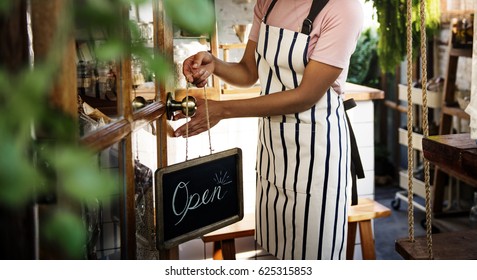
[198, 196]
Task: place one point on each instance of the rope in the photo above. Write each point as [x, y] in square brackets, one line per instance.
[208, 121]
[425, 125]
[187, 122]
[410, 151]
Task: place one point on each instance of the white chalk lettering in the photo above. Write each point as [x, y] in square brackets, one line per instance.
[183, 201]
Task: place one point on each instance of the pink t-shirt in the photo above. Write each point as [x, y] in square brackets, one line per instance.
[335, 32]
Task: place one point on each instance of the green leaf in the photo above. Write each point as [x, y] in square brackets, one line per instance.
[36, 82]
[18, 177]
[5, 6]
[79, 174]
[194, 16]
[66, 230]
[110, 50]
[159, 66]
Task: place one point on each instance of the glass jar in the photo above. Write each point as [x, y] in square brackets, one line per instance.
[137, 76]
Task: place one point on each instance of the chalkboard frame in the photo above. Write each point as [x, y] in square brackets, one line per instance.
[163, 243]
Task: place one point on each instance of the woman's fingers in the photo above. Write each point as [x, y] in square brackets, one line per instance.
[194, 68]
[193, 127]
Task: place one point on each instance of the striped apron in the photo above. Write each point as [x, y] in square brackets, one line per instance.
[303, 160]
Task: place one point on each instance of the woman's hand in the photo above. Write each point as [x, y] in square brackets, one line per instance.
[198, 122]
[198, 68]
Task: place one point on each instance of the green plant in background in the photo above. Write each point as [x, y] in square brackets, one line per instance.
[38, 143]
[391, 16]
[363, 68]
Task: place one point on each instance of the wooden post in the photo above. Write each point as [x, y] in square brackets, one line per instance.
[48, 18]
[17, 234]
[163, 42]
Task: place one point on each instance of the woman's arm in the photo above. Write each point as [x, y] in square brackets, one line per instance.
[199, 67]
[317, 79]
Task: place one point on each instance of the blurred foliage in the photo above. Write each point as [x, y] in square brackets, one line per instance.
[38, 144]
[363, 68]
[197, 17]
[392, 19]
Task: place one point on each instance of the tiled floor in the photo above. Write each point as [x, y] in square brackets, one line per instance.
[394, 227]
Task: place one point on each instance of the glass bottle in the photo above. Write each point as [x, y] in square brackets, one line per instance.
[111, 84]
[473, 213]
[137, 76]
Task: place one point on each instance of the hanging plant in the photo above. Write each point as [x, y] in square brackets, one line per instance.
[391, 16]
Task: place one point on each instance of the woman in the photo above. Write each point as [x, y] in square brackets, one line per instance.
[303, 156]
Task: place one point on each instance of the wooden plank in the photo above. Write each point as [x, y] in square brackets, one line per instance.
[458, 245]
[46, 23]
[456, 154]
[360, 92]
[367, 209]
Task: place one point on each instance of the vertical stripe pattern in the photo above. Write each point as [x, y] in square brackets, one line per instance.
[303, 160]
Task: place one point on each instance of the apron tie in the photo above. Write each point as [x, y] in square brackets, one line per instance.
[357, 171]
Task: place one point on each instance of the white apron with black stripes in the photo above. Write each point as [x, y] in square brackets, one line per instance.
[303, 160]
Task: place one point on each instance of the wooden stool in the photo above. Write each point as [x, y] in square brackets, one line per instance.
[224, 238]
[362, 214]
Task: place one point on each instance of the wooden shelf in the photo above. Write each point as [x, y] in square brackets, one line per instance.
[416, 139]
[180, 93]
[419, 187]
[230, 46]
[450, 110]
[455, 111]
[234, 90]
[362, 93]
[434, 98]
[461, 52]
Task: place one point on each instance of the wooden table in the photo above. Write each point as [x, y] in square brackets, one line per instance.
[456, 154]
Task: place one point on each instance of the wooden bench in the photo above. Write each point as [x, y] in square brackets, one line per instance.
[224, 239]
[362, 214]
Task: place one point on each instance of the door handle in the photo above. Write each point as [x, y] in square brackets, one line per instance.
[188, 105]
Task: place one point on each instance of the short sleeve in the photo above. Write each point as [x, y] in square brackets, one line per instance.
[337, 33]
[259, 11]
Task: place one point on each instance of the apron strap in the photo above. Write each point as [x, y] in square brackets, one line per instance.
[269, 10]
[315, 9]
[357, 171]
